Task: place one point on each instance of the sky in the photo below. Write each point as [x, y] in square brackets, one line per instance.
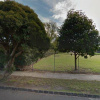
[56, 10]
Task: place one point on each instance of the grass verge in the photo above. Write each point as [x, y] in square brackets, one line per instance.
[71, 86]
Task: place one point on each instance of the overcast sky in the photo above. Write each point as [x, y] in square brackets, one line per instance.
[56, 10]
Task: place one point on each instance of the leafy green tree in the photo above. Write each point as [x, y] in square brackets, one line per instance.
[78, 35]
[29, 57]
[20, 28]
[51, 30]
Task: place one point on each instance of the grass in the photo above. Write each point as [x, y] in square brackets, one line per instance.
[71, 86]
[65, 62]
[97, 53]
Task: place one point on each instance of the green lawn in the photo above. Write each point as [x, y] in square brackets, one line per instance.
[65, 62]
[73, 86]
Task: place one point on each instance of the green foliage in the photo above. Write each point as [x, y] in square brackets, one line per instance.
[19, 24]
[51, 30]
[20, 28]
[78, 34]
[54, 45]
[2, 60]
[27, 58]
[49, 52]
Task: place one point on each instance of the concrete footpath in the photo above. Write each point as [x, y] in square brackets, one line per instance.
[58, 75]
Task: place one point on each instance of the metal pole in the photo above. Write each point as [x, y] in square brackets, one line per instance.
[78, 63]
[32, 67]
[54, 61]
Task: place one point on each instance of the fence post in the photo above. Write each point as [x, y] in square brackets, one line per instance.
[54, 61]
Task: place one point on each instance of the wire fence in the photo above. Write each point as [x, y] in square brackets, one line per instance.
[63, 62]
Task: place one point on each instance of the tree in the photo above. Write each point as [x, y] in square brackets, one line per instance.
[29, 57]
[20, 28]
[78, 35]
[2, 60]
[51, 30]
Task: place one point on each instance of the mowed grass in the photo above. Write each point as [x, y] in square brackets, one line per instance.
[72, 86]
[64, 62]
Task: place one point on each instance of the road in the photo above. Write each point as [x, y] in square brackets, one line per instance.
[22, 95]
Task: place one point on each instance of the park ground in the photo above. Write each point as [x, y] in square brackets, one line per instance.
[64, 62]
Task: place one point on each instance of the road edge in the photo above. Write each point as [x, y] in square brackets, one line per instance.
[49, 92]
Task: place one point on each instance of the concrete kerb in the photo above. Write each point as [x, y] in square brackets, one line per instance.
[49, 92]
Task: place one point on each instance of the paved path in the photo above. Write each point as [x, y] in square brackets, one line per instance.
[22, 95]
[57, 75]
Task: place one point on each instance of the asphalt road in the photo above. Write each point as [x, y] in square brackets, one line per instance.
[21, 95]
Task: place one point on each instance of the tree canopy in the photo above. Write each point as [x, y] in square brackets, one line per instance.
[51, 30]
[20, 28]
[78, 35]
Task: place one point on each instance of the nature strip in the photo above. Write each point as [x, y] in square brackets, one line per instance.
[50, 92]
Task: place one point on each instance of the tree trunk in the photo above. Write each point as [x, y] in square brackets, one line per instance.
[8, 67]
[75, 61]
